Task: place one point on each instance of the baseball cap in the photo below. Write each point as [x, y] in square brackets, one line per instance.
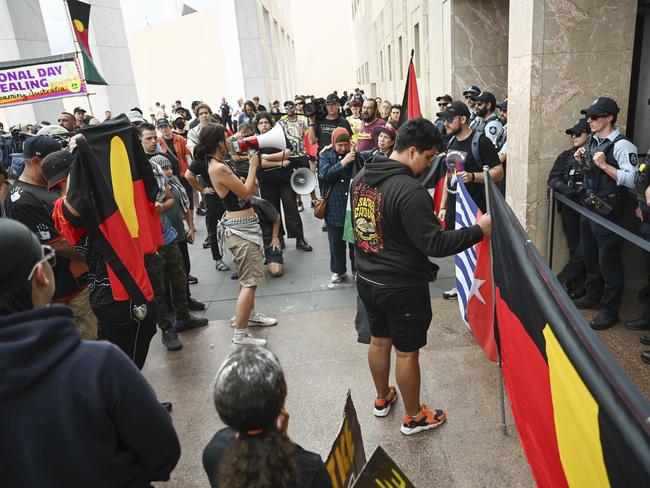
[289, 103]
[56, 167]
[389, 131]
[332, 98]
[40, 146]
[20, 251]
[472, 90]
[444, 98]
[581, 126]
[601, 106]
[503, 105]
[487, 97]
[135, 116]
[161, 122]
[79, 109]
[454, 109]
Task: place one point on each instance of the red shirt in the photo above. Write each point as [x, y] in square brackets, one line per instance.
[367, 139]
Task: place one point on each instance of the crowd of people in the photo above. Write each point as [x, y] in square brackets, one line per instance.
[63, 363]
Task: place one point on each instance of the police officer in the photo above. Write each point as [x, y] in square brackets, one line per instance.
[443, 103]
[502, 136]
[470, 95]
[565, 178]
[642, 187]
[609, 161]
[490, 125]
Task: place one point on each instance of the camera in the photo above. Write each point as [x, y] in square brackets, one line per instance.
[642, 179]
[315, 106]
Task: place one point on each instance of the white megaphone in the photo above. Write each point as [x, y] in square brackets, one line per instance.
[273, 138]
[303, 181]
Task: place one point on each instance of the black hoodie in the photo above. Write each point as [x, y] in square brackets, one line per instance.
[76, 413]
[396, 228]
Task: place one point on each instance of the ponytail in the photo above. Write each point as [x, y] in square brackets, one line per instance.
[260, 461]
[201, 152]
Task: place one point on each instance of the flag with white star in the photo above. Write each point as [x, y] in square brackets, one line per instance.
[474, 278]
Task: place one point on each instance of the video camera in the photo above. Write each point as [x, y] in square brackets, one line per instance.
[315, 106]
[642, 179]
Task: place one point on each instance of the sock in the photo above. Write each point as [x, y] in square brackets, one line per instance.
[240, 333]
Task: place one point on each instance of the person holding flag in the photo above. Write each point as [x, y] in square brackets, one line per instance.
[396, 230]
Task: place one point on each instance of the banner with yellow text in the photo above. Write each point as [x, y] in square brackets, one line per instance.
[40, 79]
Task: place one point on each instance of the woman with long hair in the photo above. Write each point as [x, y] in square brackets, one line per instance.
[239, 229]
[254, 451]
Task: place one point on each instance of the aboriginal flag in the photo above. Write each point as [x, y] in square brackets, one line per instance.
[580, 420]
[113, 188]
[411, 99]
[80, 16]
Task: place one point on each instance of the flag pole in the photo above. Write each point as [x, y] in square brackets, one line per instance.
[502, 401]
[77, 51]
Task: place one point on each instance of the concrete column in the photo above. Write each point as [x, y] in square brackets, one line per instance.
[479, 45]
[562, 55]
[252, 46]
[23, 36]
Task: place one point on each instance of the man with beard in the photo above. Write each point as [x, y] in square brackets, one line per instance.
[367, 140]
[490, 124]
[467, 152]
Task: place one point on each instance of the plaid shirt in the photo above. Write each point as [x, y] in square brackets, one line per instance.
[332, 173]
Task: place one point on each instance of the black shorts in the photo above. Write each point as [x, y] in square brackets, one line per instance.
[401, 314]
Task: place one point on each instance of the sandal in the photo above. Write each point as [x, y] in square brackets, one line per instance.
[221, 266]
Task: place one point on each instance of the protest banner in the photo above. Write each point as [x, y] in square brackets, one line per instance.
[347, 456]
[381, 472]
[40, 79]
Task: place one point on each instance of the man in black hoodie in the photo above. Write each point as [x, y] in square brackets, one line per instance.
[72, 412]
[395, 230]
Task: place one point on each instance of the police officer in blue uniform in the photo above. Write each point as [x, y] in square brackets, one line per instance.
[609, 161]
[490, 125]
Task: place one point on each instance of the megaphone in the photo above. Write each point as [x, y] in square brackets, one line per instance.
[273, 138]
[303, 181]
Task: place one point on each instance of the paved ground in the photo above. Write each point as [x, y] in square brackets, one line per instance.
[316, 343]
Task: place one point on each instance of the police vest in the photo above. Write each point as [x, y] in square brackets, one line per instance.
[605, 185]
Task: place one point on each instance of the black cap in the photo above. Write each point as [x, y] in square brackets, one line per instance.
[332, 98]
[161, 122]
[601, 106]
[454, 109]
[446, 98]
[20, 251]
[472, 90]
[503, 105]
[40, 146]
[56, 167]
[79, 109]
[487, 97]
[581, 126]
[289, 103]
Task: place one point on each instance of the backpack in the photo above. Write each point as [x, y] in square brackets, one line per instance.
[475, 152]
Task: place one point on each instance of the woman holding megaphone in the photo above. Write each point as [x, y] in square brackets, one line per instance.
[239, 228]
[275, 181]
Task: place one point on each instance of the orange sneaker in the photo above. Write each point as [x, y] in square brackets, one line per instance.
[382, 405]
[425, 420]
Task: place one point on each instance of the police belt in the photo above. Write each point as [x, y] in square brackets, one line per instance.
[600, 220]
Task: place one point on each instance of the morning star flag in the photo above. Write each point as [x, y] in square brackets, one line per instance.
[80, 16]
[411, 99]
[580, 420]
[474, 278]
[113, 188]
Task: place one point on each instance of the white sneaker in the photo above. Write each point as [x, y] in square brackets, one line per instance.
[450, 294]
[338, 277]
[257, 319]
[248, 340]
[261, 320]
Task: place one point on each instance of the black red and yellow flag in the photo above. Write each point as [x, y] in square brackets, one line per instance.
[80, 16]
[113, 188]
[580, 420]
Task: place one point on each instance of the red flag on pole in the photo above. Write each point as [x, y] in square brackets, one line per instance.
[411, 99]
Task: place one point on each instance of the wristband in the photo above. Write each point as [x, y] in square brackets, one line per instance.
[312, 125]
[473, 177]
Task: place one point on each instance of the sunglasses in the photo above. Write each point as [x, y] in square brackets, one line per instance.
[470, 97]
[449, 121]
[49, 255]
[443, 104]
[596, 116]
[576, 134]
[299, 103]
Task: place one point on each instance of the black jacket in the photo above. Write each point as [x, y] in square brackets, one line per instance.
[396, 228]
[76, 413]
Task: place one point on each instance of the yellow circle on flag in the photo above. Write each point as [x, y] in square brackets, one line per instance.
[78, 25]
[74, 86]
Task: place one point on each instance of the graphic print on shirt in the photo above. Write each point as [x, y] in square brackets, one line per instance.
[455, 163]
[366, 218]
